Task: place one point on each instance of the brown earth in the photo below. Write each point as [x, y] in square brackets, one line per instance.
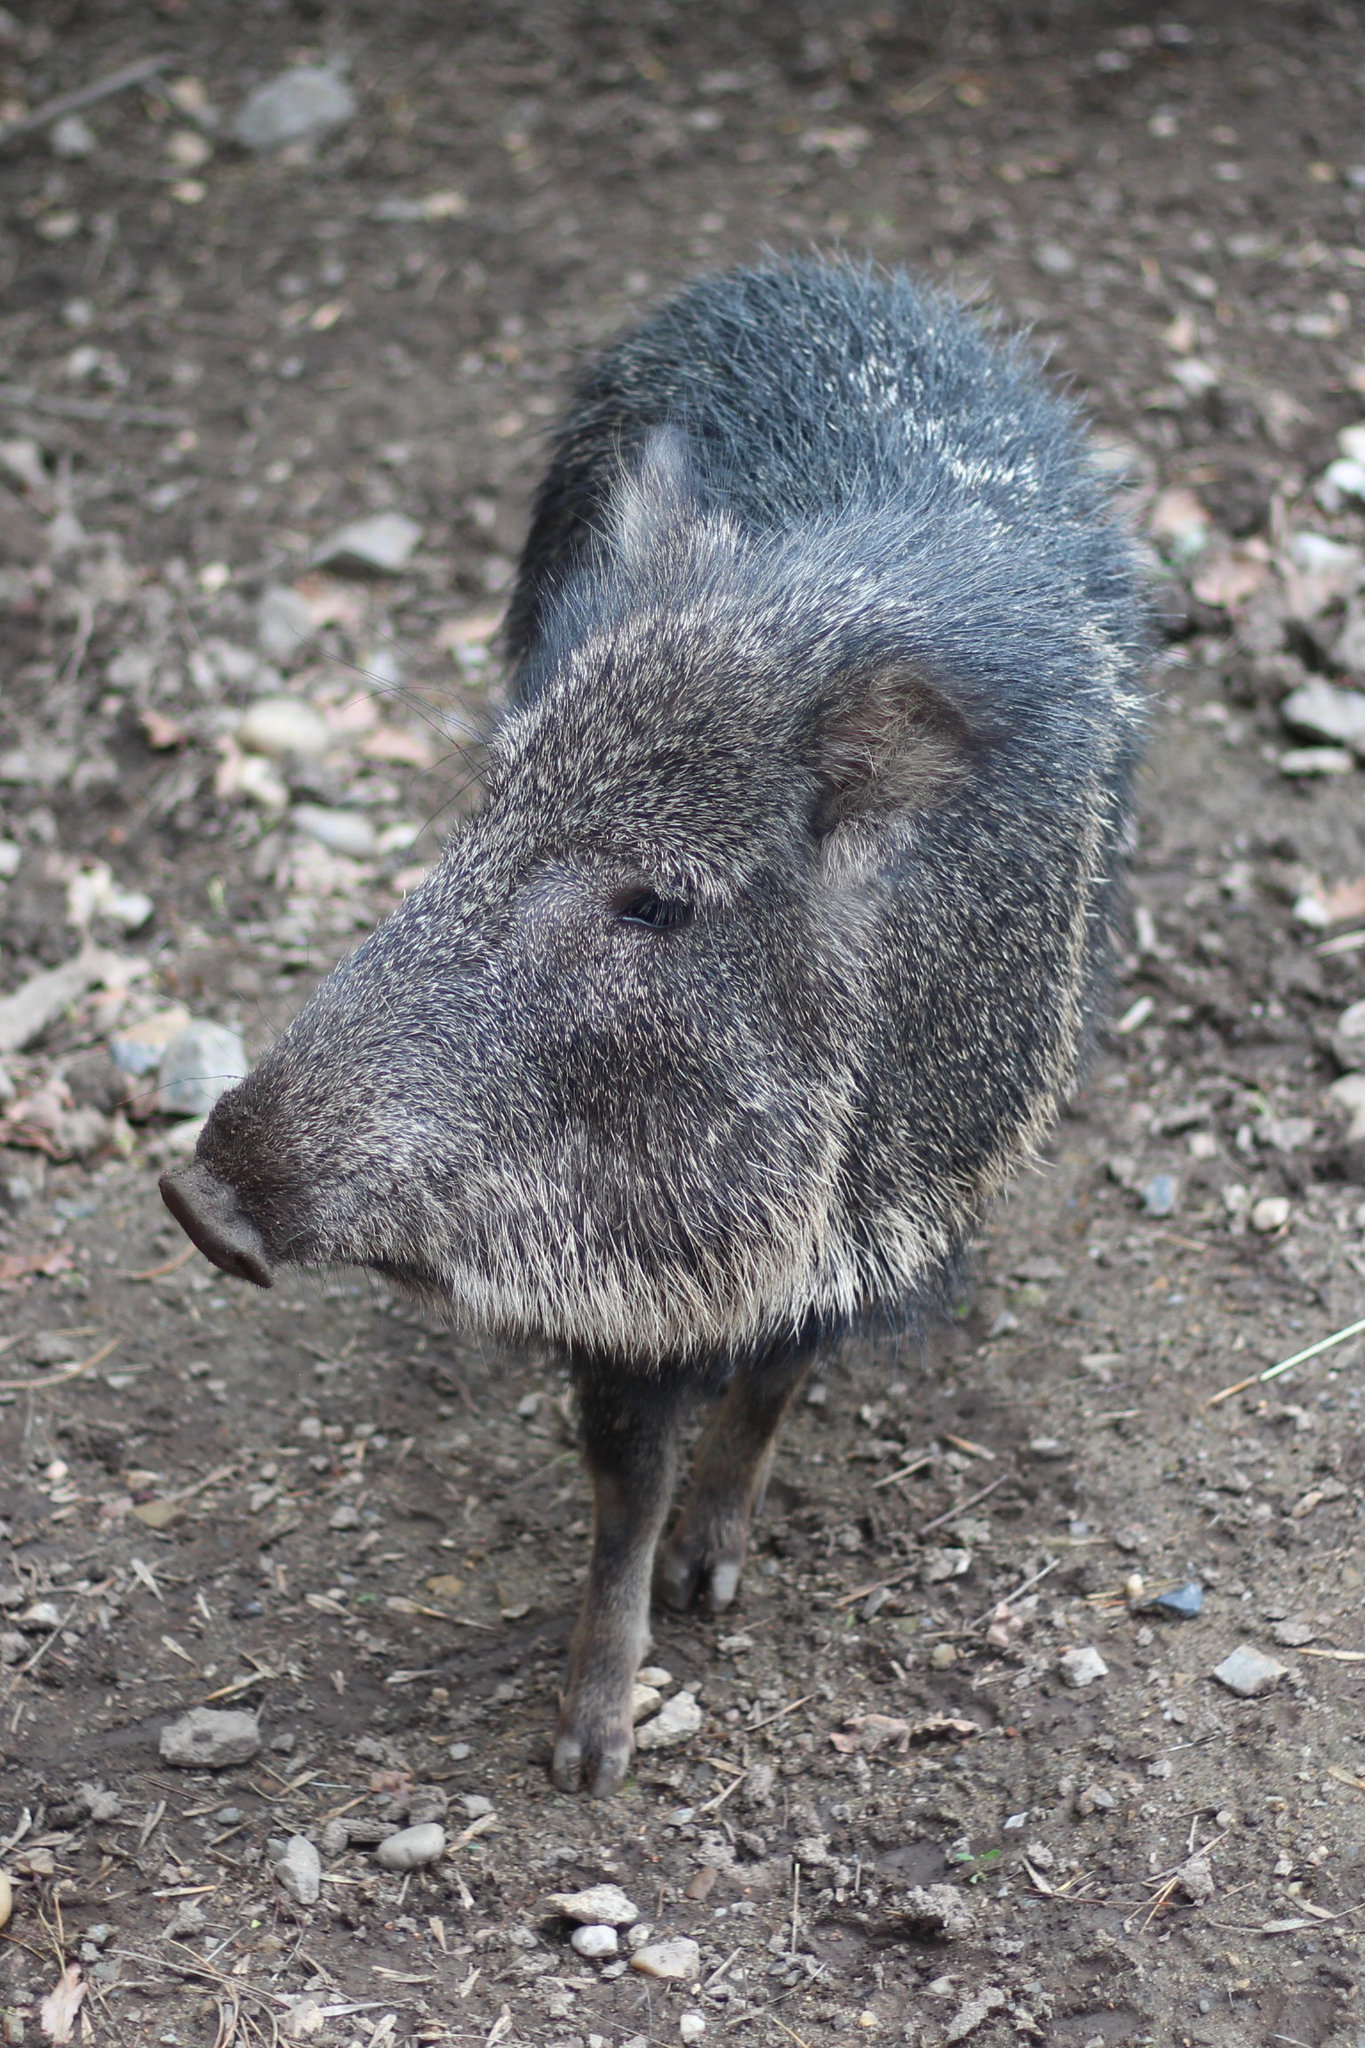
[320, 1505]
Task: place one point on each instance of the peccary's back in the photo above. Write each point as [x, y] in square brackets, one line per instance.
[818, 390]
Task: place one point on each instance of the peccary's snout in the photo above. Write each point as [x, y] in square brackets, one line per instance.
[208, 1212]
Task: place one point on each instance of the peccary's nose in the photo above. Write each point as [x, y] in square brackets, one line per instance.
[208, 1212]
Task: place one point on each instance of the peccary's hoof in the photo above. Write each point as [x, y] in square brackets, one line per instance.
[688, 1568]
[595, 1760]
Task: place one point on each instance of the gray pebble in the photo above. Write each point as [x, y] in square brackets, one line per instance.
[301, 105]
[596, 1943]
[199, 1066]
[208, 1738]
[1161, 1195]
[348, 832]
[411, 1848]
[299, 1871]
[380, 545]
[1248, 1672]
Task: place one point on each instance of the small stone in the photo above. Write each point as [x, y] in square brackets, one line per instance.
[975, 2012]
[600, 1905]
[412, 1848]
[644, 1701]
[335, 1838]
[199, 1066]
[678, 1718]
[475, 1805]
[938, 1565]
[1249, 1673]
[280, 726]
[1321, 711]
[596, 1943]
[1269, 1214]
[1094, 1799]
[72, 138]
[284, 622]
[1078, 1668]
[209, 1738]
[301, 105]
[1161, 1195]
[299, 1871]
[938, 1912]
[1292, 1635]
[655, 1675]
[40, 1617]
[381, 545]
[1307, 762]
[677, 1961]
[186, 1920]
[53, 1347]
[1348, 1038]
[1054, 259]
[942, 1657]
[347, 1516]
[99, 1803]
[348, 832]
[1182, 1603]
[139, 1048]
[691, 2026]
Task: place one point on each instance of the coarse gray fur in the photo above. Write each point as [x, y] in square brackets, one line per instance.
[776, 942]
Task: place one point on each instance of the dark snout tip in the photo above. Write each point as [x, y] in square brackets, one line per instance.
[210, 1216]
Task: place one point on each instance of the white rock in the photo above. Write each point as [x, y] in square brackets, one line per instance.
[655, 1675]
[301, 105]
[1349, 1094]
[677, 1961]
[72, 138]
[139, 1047]
[644, 1701]
[284, 622]
[1339, 482]
[1249, 1672]
[599, 1905]
[1081, 1667]
[691, 2025]
[380, 545]
[280, 726]
[299, 1871]
[10, 856]
[678, 1718]
[597, 1943]
[348, 832]
[411, 1848]
[199, 1066]
[210, 1738]
[1270, 1213]
[1323, 712]
[1348, 1039]
[1309, 761]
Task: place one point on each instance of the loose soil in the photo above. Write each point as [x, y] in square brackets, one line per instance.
[321, 1504]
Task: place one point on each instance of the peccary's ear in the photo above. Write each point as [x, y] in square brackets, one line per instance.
[656, 498]
[890, 742]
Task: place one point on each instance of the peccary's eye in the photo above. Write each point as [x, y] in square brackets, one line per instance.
[655, 913]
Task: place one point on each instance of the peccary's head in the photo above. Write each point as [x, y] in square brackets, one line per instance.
[597, 1078]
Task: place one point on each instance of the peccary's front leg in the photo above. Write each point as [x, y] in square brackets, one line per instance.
[707, 1549]
[630, 1441]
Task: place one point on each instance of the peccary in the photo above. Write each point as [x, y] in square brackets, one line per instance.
[777, 939]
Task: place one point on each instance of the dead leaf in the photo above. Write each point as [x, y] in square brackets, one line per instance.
[403, 749]
[1233, 575]
[390, 1781]
[57, 2013]
[17, 1267]
[944, 1728]
[867, 1733]
[159, 731]
[158, 1514]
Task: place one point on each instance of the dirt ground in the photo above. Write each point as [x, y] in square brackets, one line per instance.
[318, 1503]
